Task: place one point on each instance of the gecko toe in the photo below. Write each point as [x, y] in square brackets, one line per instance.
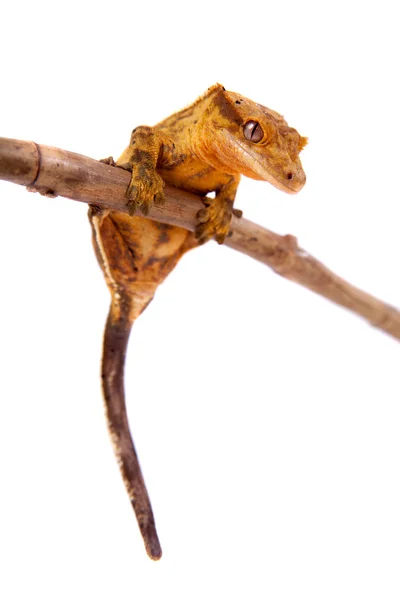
[237, 212]
[201, 229]
[132, 207]
[108, 161]
[125, 166]
[203, 215]
[144, 208]
[160, 199]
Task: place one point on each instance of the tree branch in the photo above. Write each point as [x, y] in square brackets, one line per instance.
[57, 172]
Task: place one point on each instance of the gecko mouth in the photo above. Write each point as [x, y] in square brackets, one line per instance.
[291, 183]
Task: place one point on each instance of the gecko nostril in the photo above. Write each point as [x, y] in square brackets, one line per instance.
[290, 175]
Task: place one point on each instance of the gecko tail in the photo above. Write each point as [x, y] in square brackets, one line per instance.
[116, 335]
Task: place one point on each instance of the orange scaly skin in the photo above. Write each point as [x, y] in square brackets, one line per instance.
[203, 148]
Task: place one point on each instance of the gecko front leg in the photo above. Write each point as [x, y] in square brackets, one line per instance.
[140, 157]
[214, 220]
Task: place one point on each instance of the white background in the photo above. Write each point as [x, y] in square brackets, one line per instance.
[266, 419]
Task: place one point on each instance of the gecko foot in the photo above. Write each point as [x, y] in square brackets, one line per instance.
[214, 220]
[146, 187]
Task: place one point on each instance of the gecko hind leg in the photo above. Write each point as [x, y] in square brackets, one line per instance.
[116, 336]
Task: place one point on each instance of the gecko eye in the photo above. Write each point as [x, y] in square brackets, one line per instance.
[253, 131]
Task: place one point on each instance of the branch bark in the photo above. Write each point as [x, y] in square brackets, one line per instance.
[56, 172]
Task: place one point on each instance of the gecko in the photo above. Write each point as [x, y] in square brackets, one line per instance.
[203, 148]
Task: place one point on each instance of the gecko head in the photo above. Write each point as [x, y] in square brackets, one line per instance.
[257, 142]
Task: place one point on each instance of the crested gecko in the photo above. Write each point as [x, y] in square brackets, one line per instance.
[203, 148]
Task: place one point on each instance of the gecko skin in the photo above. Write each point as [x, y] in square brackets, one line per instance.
[203, 148]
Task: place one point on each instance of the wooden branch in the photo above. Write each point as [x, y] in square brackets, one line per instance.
[56, 172]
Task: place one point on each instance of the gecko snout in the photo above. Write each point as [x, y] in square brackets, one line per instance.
[295, 180]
